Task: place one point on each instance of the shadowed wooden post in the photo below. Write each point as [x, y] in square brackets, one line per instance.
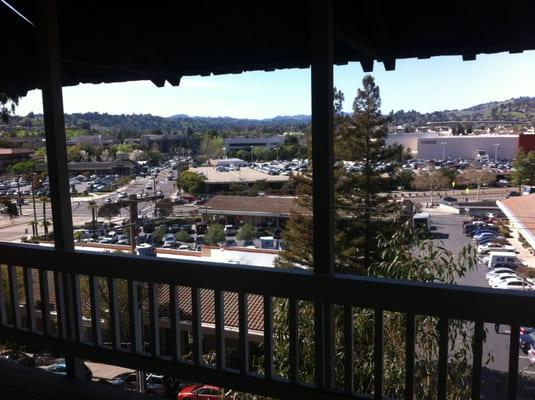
[322, 173]
[57, 161]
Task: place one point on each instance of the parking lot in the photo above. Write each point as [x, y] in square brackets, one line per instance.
[449, 230]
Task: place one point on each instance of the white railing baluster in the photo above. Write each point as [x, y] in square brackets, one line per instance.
[45, 302]
[60, 305]
[3, 316]
[442, 357]
[14, 292]
[268, 337]
[154, 323]
[174, 310]
[196, 325]
[244, 333]
[30, 303]
[114, 314]
[294, 339]
[512, 376]
[94, 299]
[219, 304]
[378, 355]
[348, 349]
[79, 335]
[134, 315]
[409, 356]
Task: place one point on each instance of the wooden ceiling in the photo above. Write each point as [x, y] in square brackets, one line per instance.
[114, 41]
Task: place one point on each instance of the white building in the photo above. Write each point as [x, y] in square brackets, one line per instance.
[501, 147]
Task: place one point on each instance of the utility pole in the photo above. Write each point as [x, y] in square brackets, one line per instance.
[478, 184]
[34, 225]
[45, 226]
[93, 206]
[133, 222]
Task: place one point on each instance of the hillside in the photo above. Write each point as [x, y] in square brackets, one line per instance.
[517, 110]
[520, 109]
[136, 124]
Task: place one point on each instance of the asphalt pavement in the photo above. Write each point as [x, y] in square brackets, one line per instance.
[448, 229]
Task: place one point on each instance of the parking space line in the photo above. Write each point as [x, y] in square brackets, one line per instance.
[528, 372]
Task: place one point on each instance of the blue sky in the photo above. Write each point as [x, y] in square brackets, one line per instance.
[424, 85]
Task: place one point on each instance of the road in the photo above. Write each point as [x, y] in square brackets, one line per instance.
[12, 229]
[496, 346]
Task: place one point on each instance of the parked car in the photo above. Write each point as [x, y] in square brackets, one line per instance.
[515, 285]
[61, 369]
[122, 239]
[230, 230]
[230, 243]
[154, 384]
[448, 200]
[201, 392]
[18, 357]
[527, 340]
[513, 193]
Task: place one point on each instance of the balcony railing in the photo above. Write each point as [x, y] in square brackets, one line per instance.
[25, 318]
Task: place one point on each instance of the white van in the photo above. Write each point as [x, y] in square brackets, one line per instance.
[502, 257]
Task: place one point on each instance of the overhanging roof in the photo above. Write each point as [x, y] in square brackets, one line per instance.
[104, 41]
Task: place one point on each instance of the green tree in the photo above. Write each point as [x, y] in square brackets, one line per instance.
[158, 233]
[523, 172]
[22, 167]
[215, 234]
[164, 207]
[155, 156]
[246, 232]
[109, 211]
[389, 250]
[477, 177]
[191, 182]
[211, 146]
[431, 181]
[184, 237]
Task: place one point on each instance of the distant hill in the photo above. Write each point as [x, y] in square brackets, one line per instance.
[136, 124]
[520, 109]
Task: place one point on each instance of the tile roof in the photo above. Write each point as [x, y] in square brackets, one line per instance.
[231, 312]
[12, 151]
[255, 204]
[523, 207]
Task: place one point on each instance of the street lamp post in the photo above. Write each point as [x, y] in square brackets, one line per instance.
[443, 150]
[277, 150]
[496, 145]
[252, 155]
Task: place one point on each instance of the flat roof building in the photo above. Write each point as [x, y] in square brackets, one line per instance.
[232, 144]
[10, 156]
[250, 209]
[499, 147]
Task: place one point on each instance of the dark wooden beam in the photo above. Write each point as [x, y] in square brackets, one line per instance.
[55, 127]
[322, 136]
[58, 171]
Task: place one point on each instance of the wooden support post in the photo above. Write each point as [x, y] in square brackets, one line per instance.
[57, 159]
[322, 170]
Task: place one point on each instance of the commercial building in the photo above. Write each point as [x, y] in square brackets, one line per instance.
[95, 140]
[500, 147]
[10, 156]
[257, 210]
[232, 144]
[521, 214]
[167, 142]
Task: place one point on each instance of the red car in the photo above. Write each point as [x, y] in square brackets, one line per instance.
[201, 392]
